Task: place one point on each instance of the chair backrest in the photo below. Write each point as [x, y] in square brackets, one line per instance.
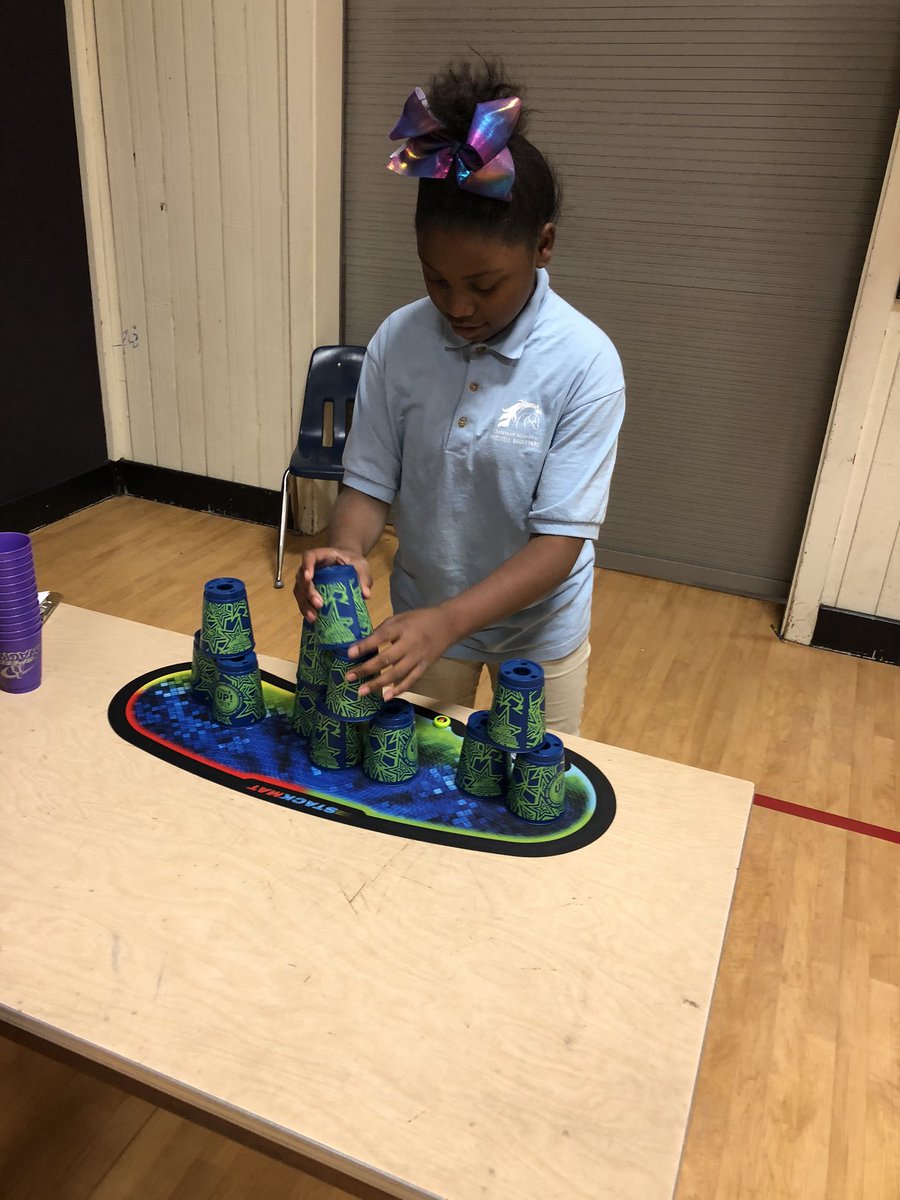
[327, 404]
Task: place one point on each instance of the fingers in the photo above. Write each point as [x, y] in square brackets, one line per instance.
[374, 672]
[309, 601]
[388, 675]
[368, 645]
[403, 684]
[365, 578]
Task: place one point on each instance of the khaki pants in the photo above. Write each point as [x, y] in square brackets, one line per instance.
[455, 681]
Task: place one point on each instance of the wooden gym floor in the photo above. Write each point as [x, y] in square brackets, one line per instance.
[799, 1088]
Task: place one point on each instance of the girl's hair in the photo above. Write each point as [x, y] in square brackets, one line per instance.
[536, 194]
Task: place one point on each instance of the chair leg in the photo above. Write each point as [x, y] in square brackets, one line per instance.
[282, 528]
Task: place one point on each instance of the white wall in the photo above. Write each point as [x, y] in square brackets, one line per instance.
[210, 145]
[850, 557]
[864, 571]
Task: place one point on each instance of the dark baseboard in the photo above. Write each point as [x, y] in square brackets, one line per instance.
[262, 506]
[858, 633]
[61, 500]
[760, 587]
[259, 505]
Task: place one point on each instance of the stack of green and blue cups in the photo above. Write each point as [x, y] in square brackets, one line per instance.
[328, 710]
[334, 745]
[537, 785]
[224, 668]
[238, 698]
[391, 752]
[482, 765]
[313, 670]
[516, 719]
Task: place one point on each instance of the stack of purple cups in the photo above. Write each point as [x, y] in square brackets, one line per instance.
[20, 616]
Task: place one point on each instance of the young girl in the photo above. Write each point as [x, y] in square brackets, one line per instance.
[487, 415]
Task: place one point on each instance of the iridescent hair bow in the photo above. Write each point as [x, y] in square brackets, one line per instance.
[484, 165]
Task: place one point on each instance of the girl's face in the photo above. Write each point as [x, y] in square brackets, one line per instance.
[479, 283]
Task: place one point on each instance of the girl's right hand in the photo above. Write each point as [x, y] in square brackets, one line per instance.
[308, 599]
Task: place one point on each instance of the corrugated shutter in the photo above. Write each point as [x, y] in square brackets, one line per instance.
[722, 164]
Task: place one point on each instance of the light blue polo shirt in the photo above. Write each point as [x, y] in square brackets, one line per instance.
[479, 446]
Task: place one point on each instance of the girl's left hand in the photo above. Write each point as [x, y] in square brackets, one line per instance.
[407, 643]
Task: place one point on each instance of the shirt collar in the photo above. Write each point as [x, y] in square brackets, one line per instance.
[511, 342]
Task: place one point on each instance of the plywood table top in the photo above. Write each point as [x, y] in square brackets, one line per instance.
[427, 1019]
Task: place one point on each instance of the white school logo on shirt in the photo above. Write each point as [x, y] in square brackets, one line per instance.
[521, 414]
[519, 423]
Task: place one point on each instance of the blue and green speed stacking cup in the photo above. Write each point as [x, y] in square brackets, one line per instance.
[238, 698]
[391, 747]
[204, 674]
[516, 720]
[342, 699]
[537, 786]
[304, 710]
[482, 767]
[226, 625]
[343, 618]
[333, 745]
[314, 664]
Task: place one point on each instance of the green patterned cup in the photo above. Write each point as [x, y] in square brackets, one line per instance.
[516, 720]
[391, 747]
[226, 617]
[204, 673]
[342, 699]
[303, 713]
[537, 786]
[238, 698]
[343, 618]
[314, 663]
[333, 745]
[482, 767]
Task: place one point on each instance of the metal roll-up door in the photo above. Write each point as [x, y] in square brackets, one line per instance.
[722, 166]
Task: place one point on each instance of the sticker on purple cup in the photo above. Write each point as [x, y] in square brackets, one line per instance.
[20, 664]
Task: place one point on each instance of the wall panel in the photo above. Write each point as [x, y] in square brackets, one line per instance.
[205, 103]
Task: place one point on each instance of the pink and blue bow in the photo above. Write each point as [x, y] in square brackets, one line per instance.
[484, 164]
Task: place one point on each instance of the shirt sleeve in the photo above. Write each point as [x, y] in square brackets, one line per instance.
[372, 453]
[573, 491]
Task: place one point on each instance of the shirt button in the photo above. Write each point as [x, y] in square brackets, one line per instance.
[473, 387]
[461, 422]
[480, 349]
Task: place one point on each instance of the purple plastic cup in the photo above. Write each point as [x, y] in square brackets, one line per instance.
[25, 558]
[15, 633]
[19, 615]
[20, 663]
[15, 570]
[25, 594]
[17, 556]
[15, 616]
[18, 641]
[15, 605]
[17, 582]
[11, 543]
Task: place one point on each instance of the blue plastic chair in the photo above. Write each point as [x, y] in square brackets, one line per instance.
[330, 383]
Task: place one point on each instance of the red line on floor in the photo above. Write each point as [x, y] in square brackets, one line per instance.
[827, 818]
